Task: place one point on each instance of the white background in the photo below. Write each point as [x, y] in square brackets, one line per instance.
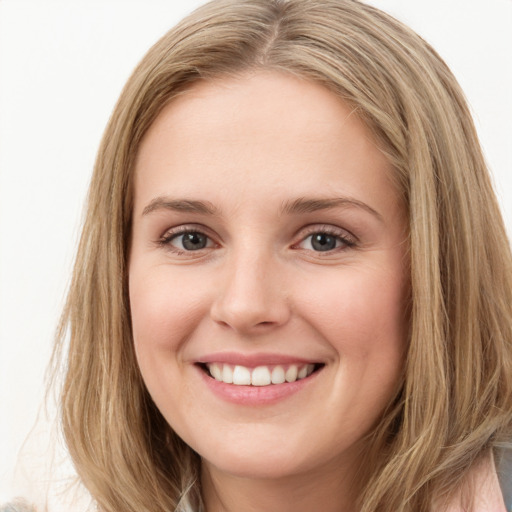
[62, 66]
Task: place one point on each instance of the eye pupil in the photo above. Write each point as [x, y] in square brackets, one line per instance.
[194, 241]
[323, 242]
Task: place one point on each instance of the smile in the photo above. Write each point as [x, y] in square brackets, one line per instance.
[255, 380]
[259, 376]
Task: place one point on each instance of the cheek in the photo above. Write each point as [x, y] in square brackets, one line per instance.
[163, 318]
[163, 313]
[362, 314]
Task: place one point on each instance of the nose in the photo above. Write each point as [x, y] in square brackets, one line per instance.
[251, 297]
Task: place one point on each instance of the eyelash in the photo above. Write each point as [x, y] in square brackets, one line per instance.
[169, 236]
[347, 239]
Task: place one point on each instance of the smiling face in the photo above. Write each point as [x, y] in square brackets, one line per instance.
[268, 246]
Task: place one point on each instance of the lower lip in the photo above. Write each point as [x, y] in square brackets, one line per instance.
[256, 395]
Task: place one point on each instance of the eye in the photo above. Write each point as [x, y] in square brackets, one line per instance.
[325, 241]
[321, 242]
[186, 241]
[192, 241]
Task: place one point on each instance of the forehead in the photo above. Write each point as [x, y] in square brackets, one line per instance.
[268, 103]
[267, 132]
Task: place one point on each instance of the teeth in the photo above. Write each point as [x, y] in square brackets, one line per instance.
[302, 372]
[241, 376]
[278, 375]
[227, 374]
[291, 373]
[216, 371]
[259, 376]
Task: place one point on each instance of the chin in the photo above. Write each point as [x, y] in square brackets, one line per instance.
[259, 460]
[255, 468]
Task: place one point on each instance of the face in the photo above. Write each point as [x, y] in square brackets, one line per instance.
[267, 275]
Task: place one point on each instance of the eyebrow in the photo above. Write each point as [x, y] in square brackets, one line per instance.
[305, 205]
[180, 205]
[297, 206]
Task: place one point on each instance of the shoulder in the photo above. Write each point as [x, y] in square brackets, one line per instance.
[17, 505]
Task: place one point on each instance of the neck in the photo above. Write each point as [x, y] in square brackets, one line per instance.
[326, 491]
[483, 488]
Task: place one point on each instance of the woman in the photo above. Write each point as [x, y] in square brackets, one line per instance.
[293, 287]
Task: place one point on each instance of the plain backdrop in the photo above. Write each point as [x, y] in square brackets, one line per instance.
[62, 66]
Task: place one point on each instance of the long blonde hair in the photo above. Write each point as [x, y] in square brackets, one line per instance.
[455, 404]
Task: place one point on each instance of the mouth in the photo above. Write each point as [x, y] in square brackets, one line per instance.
[259, 376]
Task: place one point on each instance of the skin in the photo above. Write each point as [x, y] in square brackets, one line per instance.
[247, 146]
[484, 487]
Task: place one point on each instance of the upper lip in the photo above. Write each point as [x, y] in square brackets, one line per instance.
[254, 360]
